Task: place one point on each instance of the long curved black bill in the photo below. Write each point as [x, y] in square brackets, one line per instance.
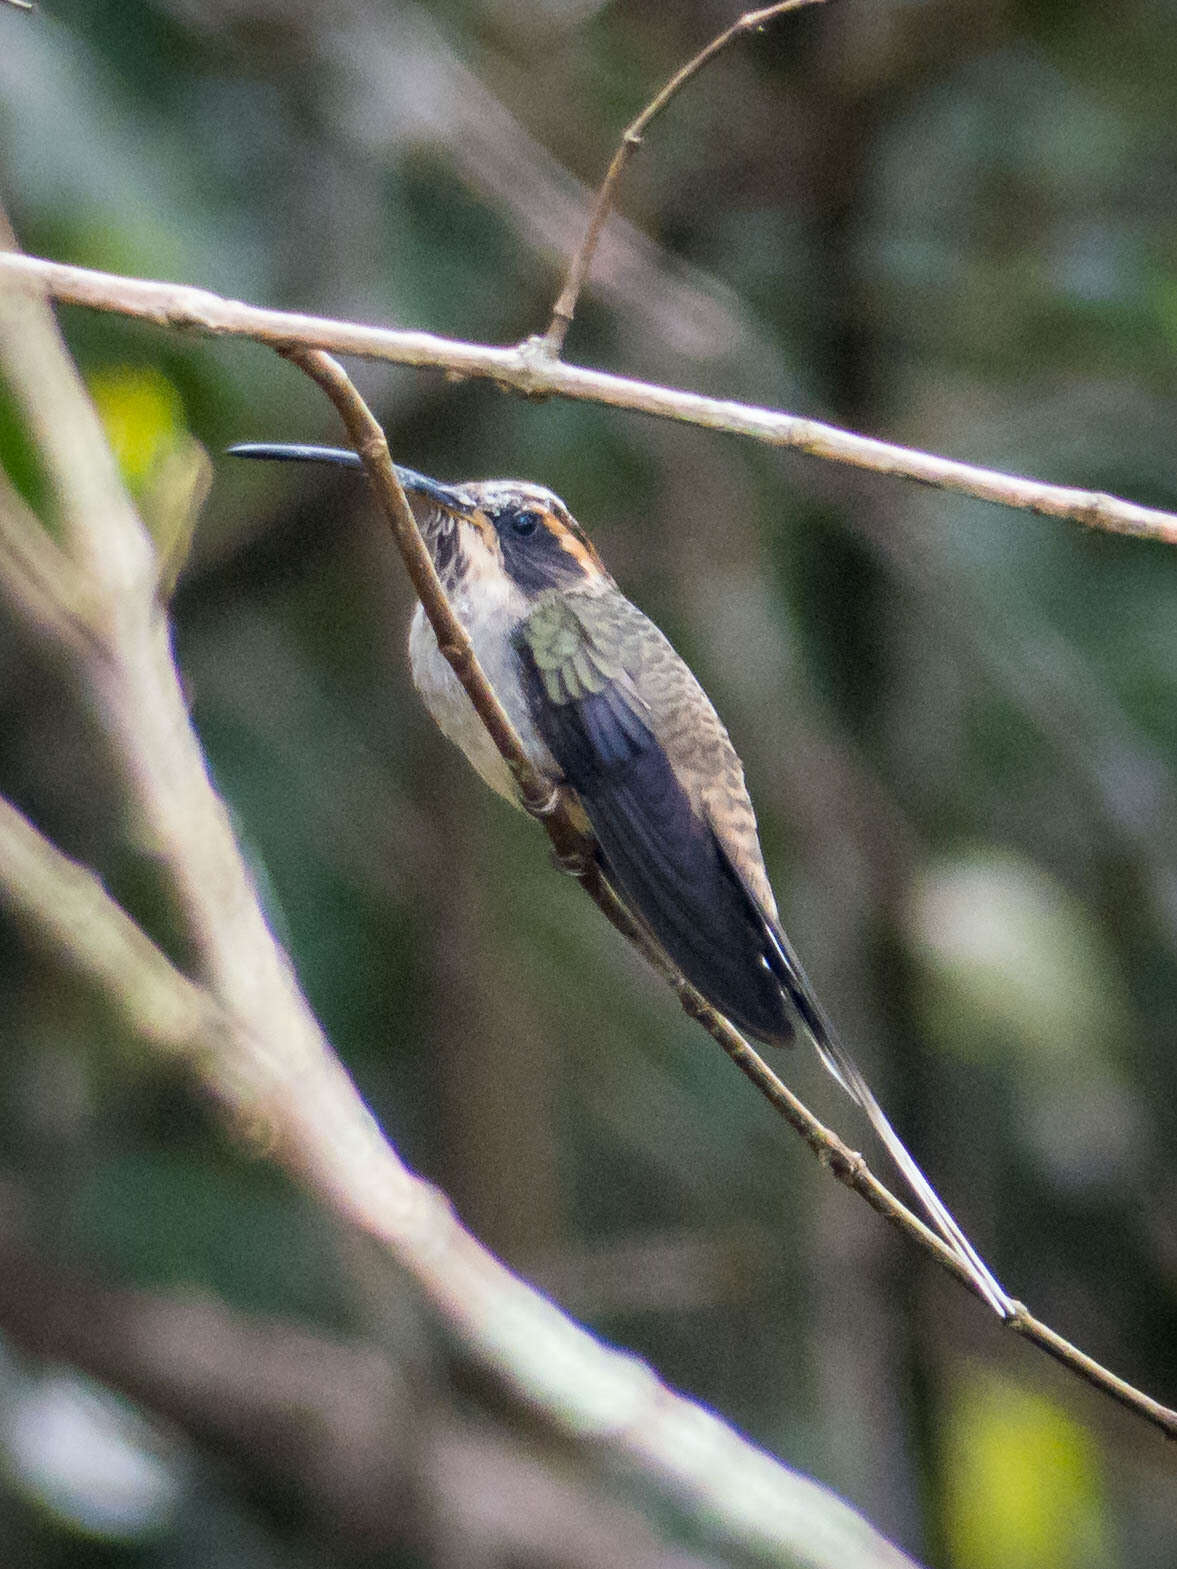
[295, 452]
[343, 457]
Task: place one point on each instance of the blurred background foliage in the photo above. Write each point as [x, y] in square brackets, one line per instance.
[944, 222]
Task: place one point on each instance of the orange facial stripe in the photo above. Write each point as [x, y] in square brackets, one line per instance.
[579, 549]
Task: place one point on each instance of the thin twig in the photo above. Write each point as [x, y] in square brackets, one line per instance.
[575, 850]
[564, 309]
[369, 441]
[526, 370]
[570, 844]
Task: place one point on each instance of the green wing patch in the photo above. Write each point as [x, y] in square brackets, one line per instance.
[575, 644]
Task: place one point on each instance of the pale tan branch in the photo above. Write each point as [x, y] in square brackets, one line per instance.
[528, 369]
[631, 139]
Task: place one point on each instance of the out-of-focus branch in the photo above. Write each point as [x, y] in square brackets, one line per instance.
[305, 1111]
[529, 370]
[375, 1464]
[631, 139]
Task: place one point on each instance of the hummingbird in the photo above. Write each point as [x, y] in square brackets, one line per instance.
[605, 707]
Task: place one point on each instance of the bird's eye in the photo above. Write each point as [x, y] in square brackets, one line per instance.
[522, 523]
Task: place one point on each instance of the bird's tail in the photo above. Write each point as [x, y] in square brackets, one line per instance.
[843, 1067]
[846, 1071]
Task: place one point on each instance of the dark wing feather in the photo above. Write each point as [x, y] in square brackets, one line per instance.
[661, 855]
[666, 862]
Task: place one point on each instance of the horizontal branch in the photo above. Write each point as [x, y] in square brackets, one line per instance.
[530, 368]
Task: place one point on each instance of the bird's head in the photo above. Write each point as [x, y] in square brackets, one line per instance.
[483, 529]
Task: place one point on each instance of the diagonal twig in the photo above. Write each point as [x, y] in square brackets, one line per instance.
[552, 341]
[573, 848]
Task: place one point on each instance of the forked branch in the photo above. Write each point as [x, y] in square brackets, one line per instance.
[535, 369]
[564, 309]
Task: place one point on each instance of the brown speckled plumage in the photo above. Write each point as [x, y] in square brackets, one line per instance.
[686, 726]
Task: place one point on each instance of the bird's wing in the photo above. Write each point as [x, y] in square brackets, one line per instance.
[661, 852]
[668, 860]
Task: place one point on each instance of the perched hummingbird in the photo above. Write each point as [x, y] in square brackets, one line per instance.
[603, 704]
